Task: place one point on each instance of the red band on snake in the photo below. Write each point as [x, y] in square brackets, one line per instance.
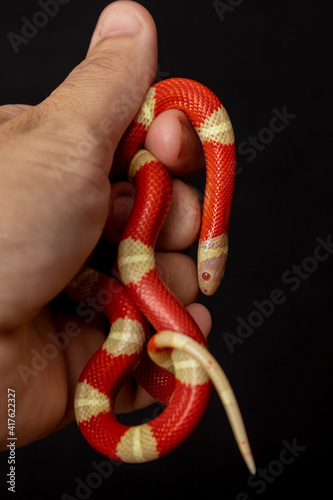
[184, 371]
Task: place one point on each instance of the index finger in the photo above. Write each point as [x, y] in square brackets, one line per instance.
[174, 142]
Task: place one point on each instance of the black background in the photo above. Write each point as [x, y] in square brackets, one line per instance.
[262, 56]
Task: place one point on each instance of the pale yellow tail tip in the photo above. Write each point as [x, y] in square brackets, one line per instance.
[244, 448]
[250, 464]
[248, 459]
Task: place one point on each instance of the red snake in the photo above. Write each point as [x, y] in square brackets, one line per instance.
[178, 370]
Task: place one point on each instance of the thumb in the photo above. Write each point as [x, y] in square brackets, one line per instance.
[56, 159]
[105, 91]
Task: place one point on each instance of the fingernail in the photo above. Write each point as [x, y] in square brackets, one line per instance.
[120, 20]
[186, 141]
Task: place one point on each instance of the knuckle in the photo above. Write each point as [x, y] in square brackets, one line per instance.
[108, 64]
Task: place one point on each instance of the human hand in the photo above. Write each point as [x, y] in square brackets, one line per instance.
[56, 202]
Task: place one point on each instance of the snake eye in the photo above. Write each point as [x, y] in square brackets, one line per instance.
[206, 276]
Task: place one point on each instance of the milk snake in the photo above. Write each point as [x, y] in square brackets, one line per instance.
[184, 371]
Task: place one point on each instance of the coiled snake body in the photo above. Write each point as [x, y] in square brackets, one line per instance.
[184, 371]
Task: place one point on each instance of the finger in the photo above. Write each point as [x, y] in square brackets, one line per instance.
[121, 204]
[182, 224]
[173, 140]
[179, 272]
[202, 317]
[181, 227]
[119, 68]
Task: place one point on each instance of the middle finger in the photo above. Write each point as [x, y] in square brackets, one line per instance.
[182, 224]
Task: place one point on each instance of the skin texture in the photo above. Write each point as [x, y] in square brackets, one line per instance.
[53, 213]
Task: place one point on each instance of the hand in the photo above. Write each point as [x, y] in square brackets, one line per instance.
[56, 202]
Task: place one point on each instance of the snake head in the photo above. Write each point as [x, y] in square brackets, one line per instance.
[212, 257]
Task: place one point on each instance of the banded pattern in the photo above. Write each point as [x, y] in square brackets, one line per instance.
[212, 123]
[181, 370]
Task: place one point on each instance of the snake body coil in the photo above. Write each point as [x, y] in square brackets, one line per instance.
[184, 371]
